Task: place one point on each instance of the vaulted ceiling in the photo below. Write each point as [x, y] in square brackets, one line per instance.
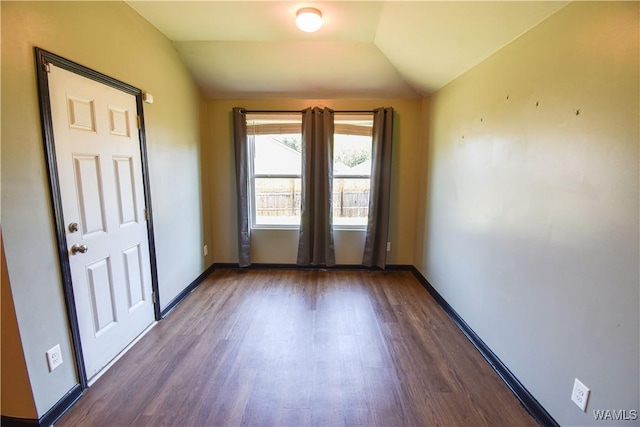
[365, 49]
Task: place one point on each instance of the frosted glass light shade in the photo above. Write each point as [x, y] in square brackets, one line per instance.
[309, 19]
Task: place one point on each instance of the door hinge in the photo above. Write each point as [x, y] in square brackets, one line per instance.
[154, 298]
[138, 122]
[47, 67]
[146, 215]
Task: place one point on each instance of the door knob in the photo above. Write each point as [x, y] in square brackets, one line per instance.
[79, 248]
[73, 227]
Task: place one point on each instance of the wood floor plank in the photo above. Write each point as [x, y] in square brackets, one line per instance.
[302, 348]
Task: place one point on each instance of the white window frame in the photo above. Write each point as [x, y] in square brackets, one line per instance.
[253, 176]
[350, 130]
[351, 226]
[354, 117]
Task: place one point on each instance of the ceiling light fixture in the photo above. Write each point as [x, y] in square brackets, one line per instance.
[309, 19]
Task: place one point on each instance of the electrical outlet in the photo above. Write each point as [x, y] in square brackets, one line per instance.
[54, 357]
[205, 250]
[580, 395]
[388, 246]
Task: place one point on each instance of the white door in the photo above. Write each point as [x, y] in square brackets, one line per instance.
[100, 173]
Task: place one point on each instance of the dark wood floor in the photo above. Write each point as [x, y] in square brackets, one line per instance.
[302, 348]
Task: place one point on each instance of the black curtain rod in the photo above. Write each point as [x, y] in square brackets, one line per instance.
[300, 111]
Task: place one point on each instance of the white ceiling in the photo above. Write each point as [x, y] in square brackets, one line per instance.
[252, 49]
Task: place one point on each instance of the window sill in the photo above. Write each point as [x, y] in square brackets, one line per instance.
[275, 227]
[347, 228]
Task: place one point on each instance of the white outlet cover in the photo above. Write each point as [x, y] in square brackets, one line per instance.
[54, 357]
[580, 395]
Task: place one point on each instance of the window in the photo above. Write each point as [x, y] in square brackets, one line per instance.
[275, 170]
[352, 141]
[275, 184]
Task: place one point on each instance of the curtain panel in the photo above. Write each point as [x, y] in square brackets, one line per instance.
[242, 184]
[315, 245]
[375, 247]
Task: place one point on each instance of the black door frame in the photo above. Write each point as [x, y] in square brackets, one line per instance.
[43, 59]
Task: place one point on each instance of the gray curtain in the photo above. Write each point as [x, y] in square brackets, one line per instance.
[242, 158]
[315, 246]
[375, 246]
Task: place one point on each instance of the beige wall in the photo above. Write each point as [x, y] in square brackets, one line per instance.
[532, 210]
[206, 174]
[16, 389]
[349, 243]
[113, 39]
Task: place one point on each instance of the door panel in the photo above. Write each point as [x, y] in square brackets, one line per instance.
[90, 199]
[81, 114]
[126, 190]
[119, 122]
[102, 300]
[135, 285]
[100, 174]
